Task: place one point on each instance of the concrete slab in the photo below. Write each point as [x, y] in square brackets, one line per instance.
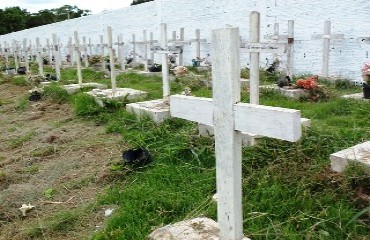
[356, 96]
[157, 110]
[359, 153]
[295, 93]
[72, 88]
[121, 93]
[195, 229]
[148, 73]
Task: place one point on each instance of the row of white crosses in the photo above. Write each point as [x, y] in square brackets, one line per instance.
[327, 36]
[230, 117]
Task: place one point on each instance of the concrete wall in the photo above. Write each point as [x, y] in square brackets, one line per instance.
[348, 17]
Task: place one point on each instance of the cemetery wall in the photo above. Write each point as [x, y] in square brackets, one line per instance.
[348, 17]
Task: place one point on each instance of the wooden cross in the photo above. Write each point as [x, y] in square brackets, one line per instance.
[165, 49]
[254, 47]
[40, 61]
[120, 51]
[26, 50]
[144, 43]
[198, 41]
[77, 49]
[289, 38]
[230, 117]
[57, 58]
[111, 61]
[15, 54]
[327, 36]
[84, 49]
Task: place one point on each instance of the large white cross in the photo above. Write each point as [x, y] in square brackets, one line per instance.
[254, 47]
[6, 53]
[84, 49]
[15, 54]
[230, 117]
[77, 48]
[326, 46]
[25, 54]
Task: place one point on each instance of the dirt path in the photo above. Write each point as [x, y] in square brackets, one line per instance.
[54, 161]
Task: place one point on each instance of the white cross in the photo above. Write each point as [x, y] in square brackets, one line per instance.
[70, 47]
[77, 48]
[145, 43]
[289, 38]
[15, 54]
[181, 39]
[120, 45]
[254, 47]
[6, 53]
[230, 117]
[26, 50]
[326, 46]
[164, 49]
[102, 46]
[57, 58]
[84, 49]
[111, 61]
[198, 41]
[39, 57]
[133, 42]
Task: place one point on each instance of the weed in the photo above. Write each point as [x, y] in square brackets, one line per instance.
[19, 141]
[85, 105]
[20, 81]
[33, 169]
[56, 93]
[43, 151]
[23, 103]
[48, 193]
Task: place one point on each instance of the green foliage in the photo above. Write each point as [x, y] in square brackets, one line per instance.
[85, 105]
[56, 93]
[20, 81]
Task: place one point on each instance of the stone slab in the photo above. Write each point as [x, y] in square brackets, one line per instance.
[359, 153]
[356, 96]
[157, 110]
[295, 93]
[149, 73]
[201, 228]
[121, 93]
[73, 88]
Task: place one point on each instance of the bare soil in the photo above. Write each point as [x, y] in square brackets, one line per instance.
[54, 161]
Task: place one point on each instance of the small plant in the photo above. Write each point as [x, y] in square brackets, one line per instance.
[85, 105]
[56, 93]
[48, 193]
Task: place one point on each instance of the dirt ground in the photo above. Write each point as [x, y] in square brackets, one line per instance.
[53, 161]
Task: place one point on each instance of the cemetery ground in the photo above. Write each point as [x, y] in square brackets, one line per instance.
[63, 155]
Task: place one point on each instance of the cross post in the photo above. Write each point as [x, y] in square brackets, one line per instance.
[90, 47]
[326, 46]
[84, 49]
[165, 49]
[70, 51]
[49, 51]
[57, 62]
[230, 117]
[6, 53]
[15, 54]
[77, 50]
[254, 47]
[25, 54]
[39, 57]
[121, 57]
[102, 45]
[133, 42]
[198, 41]
[144, 43]
[111, 61]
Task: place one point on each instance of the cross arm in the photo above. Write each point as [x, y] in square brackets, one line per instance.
[274, 122]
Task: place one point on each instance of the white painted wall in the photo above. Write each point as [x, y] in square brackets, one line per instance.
[348, 17]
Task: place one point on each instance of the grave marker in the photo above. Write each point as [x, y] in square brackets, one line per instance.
[145, 44]
[90, 47]
[25, 54]
[327, 36]
[15, 54]
[6, 53]
[77, 49]
[49, 51]
[39, 57]
[111, 61]
[102, 46]
[254, 47]
[84, 47]
[57, 56]
[230, 117]
[70, 51]
[121, 57]
[197, 42]
[133, 42]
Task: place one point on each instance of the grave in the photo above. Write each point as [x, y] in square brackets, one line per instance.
[359, 153]
[326, 37]
[158, 110]
[115, 93]
[230, 117]
[72, 88]
[287, 91]
[356, 96]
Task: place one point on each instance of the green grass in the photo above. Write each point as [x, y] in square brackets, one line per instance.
[289, 191]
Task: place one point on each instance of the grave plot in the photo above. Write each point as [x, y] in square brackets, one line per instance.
[230, 117]
[115, 93]
[72, 88]
[158, 110]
